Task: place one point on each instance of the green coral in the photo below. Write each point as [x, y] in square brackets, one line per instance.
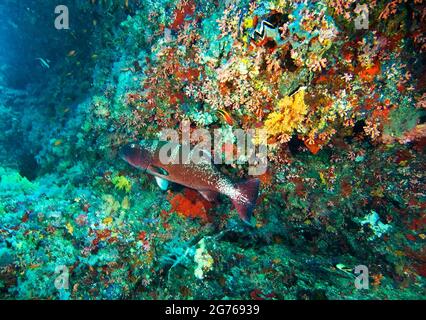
[402, 119]
[122, 183]
[11, 182]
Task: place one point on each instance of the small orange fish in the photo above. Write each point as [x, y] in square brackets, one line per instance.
[226, 116]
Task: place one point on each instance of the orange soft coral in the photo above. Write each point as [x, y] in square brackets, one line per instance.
[190, 204]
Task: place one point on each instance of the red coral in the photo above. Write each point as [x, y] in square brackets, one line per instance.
[418, 224]
[346, 188]
[142, 236]
[26, 216]
[103, 235]
[370, 73]
[410, 237]
[420, 269]
[300, 187]
[189, 74]
[316, 146]
[266, 179]
[420, 260]
[190, 204]
[132, 98]
[257, 294]
[176, 98]
[184, 10]
[313, 148]
[382, 114]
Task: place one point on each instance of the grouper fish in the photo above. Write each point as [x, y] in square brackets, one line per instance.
[202, 176]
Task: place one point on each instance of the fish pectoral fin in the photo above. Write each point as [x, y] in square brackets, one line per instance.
[162, 183]
[209, 195]
[159, 170]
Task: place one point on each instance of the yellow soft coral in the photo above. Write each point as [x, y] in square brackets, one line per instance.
[122, 183]
[289, 116]
[248, 23]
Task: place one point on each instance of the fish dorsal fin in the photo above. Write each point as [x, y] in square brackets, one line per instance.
[209, 195]
[162, 183]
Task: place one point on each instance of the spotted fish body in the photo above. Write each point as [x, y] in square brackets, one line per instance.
[202, 175]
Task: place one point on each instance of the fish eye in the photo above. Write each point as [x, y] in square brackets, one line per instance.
[132, 146]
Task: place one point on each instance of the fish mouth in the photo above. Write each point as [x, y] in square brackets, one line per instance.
[124, 152]
[135, 156]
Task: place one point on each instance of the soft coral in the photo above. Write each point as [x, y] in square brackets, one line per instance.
[190, 204]
[187, 8]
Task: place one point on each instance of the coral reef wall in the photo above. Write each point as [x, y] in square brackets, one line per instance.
[343, 107]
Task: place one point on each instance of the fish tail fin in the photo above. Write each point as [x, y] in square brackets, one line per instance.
[250, 190]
